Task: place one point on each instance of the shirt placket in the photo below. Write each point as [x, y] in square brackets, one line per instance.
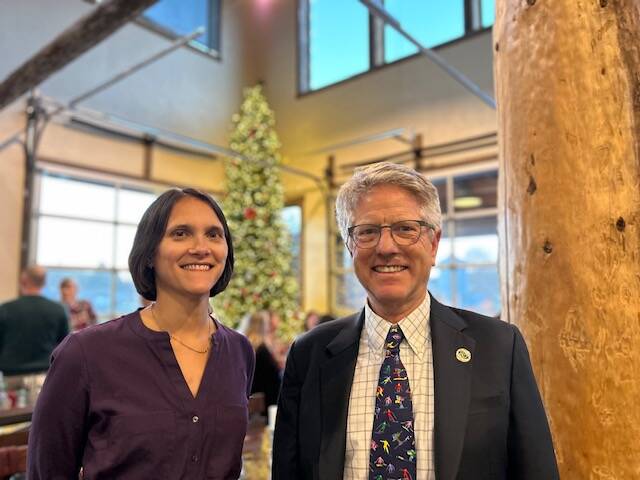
[190, 417]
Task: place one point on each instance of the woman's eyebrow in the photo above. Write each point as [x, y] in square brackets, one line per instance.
[184, 226]
[187, 226]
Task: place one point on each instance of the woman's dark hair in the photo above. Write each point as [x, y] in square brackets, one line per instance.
[150, 232]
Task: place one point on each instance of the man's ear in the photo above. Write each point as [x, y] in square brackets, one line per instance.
[435, 242]
[346, 244]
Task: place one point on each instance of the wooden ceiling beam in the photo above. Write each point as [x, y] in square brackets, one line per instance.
[83, 35]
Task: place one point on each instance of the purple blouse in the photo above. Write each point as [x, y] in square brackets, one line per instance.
[115, 403]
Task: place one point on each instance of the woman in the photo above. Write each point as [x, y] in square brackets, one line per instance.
[311, 320]
[259, 331]
[160, 393]
[81, 313]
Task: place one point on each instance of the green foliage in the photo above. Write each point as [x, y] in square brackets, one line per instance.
[263, 278]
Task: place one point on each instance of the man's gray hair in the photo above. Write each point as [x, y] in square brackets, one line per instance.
[386, 173]
[35, 275]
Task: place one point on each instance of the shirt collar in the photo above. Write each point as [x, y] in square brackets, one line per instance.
[415, 327]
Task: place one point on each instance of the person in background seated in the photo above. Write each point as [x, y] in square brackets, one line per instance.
[311, 320]
[161, 392]
[81, 312]
[327, 317]
[267, 376]
[30, 327]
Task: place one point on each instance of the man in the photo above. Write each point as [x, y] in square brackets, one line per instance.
[30, 327]
[407, 388]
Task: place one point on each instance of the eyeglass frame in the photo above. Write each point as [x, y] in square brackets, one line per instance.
[422, 223]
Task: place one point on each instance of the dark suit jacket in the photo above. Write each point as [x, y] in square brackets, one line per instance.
[489, 420]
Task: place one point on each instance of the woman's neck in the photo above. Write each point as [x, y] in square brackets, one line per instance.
[175, 315]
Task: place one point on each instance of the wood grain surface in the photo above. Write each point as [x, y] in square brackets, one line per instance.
[567, 76]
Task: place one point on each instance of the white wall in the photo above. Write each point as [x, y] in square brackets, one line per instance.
[186, 92]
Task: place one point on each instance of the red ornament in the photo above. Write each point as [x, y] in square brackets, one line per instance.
[250, 213]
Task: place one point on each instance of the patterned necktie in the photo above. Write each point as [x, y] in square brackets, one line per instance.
[393, 446]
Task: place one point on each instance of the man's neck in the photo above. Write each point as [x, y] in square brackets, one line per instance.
[30, 291]
[394, 313]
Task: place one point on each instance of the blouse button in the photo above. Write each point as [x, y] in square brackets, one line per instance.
[195, 419]
[194, 458]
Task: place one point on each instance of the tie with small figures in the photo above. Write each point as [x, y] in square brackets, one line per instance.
[393, 446]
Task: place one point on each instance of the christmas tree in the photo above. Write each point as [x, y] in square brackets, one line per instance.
[263, 277]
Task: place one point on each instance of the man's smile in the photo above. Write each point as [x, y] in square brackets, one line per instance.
[389, 268]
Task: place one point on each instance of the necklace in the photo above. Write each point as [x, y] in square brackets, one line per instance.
[180, 341]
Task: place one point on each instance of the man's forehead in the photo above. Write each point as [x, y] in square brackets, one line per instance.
[388, 201]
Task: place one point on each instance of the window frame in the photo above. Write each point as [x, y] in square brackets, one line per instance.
[472, 22]
[170, 34]
[299, 203]
[451, 216]
[118, 185]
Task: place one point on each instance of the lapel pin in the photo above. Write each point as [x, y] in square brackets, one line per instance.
[463, 355]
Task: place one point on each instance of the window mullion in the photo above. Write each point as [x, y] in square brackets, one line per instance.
[376, 42]
[472, 16]
[304, 48]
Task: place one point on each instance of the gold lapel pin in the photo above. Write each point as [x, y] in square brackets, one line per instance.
[463, 355]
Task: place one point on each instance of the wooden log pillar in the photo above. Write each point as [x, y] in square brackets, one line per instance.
[567, 75]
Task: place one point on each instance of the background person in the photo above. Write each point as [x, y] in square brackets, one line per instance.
[30, 326]
[267, 374]
[81, 313]
[407, 387]
[311, 320]
[327, 317]
[161, 392]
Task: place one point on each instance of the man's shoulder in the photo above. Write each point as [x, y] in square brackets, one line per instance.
[30, 302]
[8, 305]
[478, 324]
[50, 303]
[478, 318]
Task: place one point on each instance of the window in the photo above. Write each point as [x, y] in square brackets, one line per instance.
[488, 13]
[340, 38]
[181, 17]
[85, 230]
[338, 41]
[431, 22]
[292, 218]
[466, 271]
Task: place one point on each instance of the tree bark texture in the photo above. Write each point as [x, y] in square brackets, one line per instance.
[567, 76]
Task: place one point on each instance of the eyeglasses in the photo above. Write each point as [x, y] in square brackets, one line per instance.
[406, 232]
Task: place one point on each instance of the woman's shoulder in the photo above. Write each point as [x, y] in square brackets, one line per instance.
[106, 331]
[235, 339]
[232, 335]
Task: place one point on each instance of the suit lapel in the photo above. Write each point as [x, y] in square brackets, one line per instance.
[336, 377]
[452, 387]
